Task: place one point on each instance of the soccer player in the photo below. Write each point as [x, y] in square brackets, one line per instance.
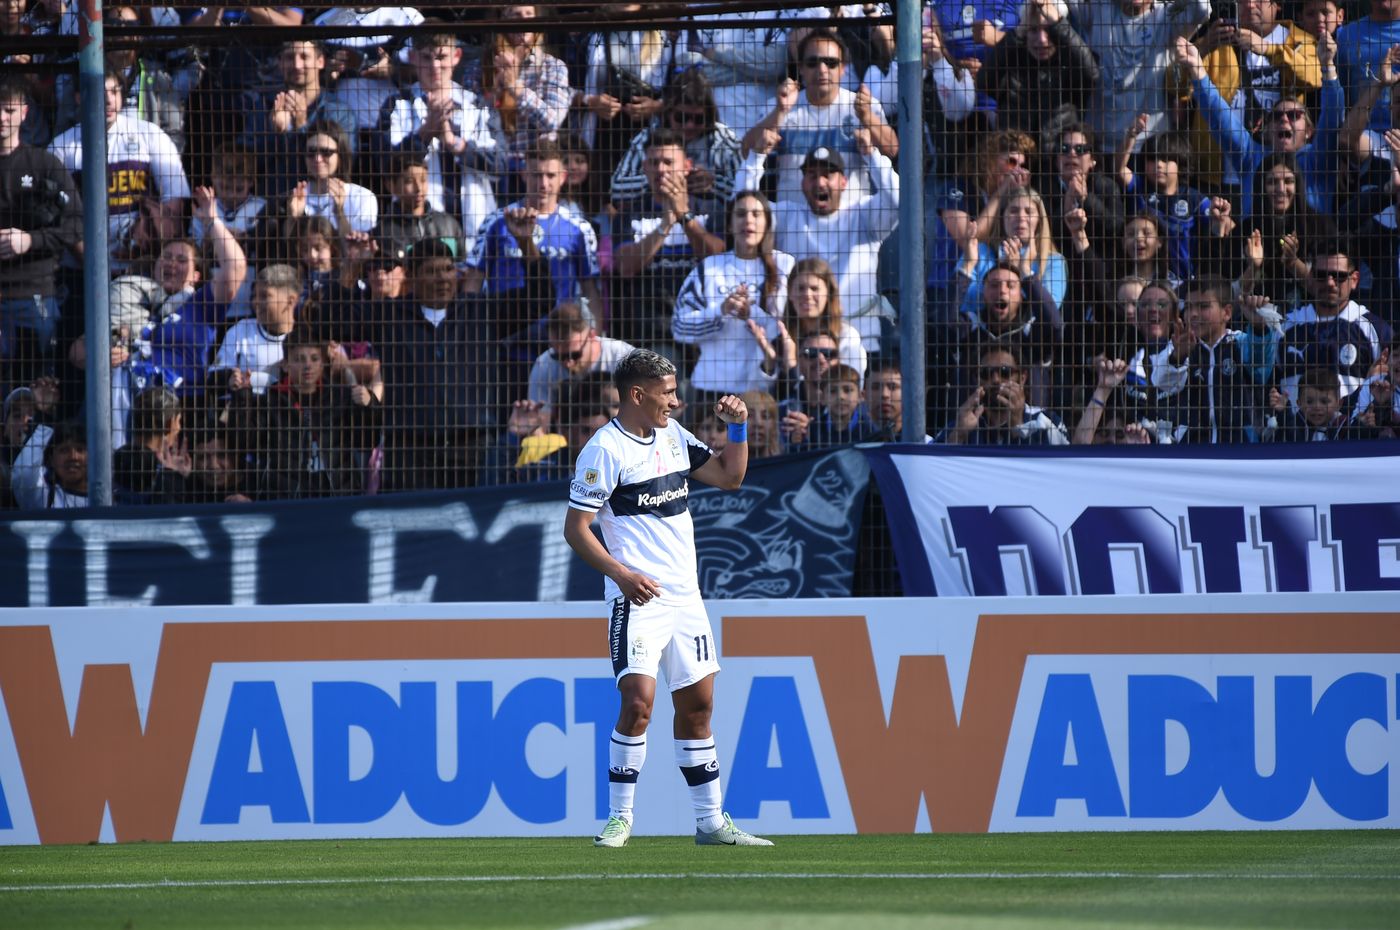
[634, 473]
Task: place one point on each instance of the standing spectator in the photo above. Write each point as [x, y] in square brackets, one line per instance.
[278, 121]
[237, 206]
[534, 254]
[1287, 230]
[1319, 16]
[623, 86]
[814, 305]
[455, 136]
[1163, 189]
[141, 159]
[438, 377]
[883, 397]
[1319, 416]
[658, 241]
[1133, 40]
[154, 463]
[822, 114]
[741, 65]
[411, 216]
[1024, 240]
[1289, 128]
[153, 93]
[765, 440]
[710, 145]
[1253, 62]
[528, 88]
[842, 419]
[730, 303]
[192, 313]
[1218, 372]
[832, 220]
[40, 218]
[326, 190]
[1042, 74]
[973, 30]
[1361, 47]
[1333, 331]
[1077, 185]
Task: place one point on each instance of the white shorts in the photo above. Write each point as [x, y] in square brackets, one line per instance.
[673, 637]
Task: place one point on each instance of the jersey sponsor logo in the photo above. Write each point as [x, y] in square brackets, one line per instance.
[584, 492]
[665, 497]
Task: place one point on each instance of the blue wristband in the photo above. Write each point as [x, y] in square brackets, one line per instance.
[738, 432]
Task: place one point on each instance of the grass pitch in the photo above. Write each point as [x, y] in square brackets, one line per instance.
[1020, 882]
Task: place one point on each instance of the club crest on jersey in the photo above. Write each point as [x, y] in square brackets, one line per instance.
[638, 651]
[675, 446]
[590, 476]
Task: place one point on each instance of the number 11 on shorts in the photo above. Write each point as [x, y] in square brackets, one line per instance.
[702, 649]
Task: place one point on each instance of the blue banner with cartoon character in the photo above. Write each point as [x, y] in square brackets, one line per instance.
[790, 531]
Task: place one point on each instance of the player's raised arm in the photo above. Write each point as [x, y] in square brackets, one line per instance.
[727, 469]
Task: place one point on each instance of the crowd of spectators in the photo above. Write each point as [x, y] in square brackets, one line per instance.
[410, 260]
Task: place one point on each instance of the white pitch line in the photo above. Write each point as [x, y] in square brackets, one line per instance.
[690, 876]
[621, 923]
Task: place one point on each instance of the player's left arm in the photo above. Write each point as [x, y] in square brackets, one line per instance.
[727, 469]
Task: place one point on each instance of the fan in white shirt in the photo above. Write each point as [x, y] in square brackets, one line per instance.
[324, 192]
[729, 305]
[832, 222]
[251, 353]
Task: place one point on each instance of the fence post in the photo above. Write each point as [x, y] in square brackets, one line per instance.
[909, 54]
[96, 275]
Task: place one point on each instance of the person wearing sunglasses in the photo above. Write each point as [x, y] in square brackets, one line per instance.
[1288, 127]
[995, 413]
[575, 352]
[821, 114]
[325, 190]
[1077, 185]
[279, 121]
[1252, 60]
[1333, 331]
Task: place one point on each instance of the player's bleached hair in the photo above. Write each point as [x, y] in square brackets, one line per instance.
[640, 366]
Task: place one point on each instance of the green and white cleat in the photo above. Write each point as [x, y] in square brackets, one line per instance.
[729, 835]
[616, 833]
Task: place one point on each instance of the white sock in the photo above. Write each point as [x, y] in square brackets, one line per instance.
[699, 763]
[625, 757]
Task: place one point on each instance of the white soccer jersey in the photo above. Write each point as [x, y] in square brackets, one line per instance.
[141, 162]
[730, 360]
[640, 490]
[248, 347]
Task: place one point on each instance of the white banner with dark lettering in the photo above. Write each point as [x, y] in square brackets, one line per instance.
[1105, 520]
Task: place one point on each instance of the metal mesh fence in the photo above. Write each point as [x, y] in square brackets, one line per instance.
[362, 250]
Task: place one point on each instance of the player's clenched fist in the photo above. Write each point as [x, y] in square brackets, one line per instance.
[731, 409]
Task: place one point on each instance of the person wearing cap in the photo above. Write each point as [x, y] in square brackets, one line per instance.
[575, 351]
[833, 221]
[823, 113]
[442, 381]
